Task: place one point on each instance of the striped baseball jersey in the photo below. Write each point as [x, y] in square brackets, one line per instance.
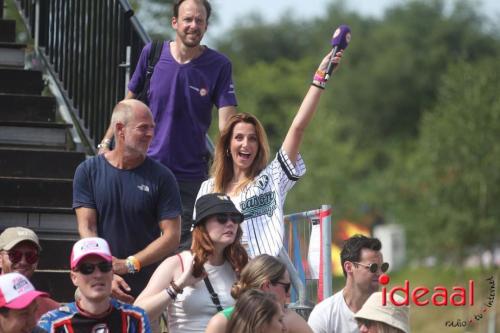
[262, 201]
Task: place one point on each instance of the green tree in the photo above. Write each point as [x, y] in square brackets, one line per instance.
[457, 165]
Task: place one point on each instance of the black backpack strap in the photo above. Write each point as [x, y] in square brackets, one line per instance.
[153, 57]
[213, 294]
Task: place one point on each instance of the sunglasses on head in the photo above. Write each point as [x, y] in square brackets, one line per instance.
[373, 267]
[15, 256]
[88, 268]
[286, 286]
[222, 218]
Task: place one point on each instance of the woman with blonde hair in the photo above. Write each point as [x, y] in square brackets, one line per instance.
[269, 274]
[194, 285]
[256, 312]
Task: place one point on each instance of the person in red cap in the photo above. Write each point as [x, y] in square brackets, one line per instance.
[17, 304]
[95, 310]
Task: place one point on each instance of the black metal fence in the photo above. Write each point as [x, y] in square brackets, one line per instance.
[84, 43]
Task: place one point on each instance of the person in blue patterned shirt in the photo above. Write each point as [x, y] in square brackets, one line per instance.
[95, 310]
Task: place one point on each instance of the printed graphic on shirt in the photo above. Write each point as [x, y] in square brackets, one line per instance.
[100, 328]
[143, 187]
[259, 204]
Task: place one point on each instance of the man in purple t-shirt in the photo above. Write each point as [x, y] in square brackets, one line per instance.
[188, 80]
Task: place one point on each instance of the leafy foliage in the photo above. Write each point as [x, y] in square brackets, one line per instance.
[407, 128]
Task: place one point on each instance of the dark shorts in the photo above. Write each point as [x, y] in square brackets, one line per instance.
[189, 191]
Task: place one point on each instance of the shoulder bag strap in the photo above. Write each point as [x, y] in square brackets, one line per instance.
[153, 57]
[213, 294]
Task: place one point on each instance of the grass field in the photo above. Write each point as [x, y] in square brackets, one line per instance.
[431, 318]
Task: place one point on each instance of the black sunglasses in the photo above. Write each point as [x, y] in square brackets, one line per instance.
[286, 286]
[373, 267]
[222, 218]
[88, 268]
[16, 256]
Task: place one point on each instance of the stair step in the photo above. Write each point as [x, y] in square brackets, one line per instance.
[50, 223]
[53, 211]
[12, 55]
[7, 31]
[33, 133]
[35, 163]
[18, 81]
[56, 253]
[27, 108]
[35, 192]
[57, 283]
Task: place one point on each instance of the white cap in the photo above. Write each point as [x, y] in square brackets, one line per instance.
[16, 292]
[88, 246]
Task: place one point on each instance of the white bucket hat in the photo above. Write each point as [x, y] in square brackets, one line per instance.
[390, 314]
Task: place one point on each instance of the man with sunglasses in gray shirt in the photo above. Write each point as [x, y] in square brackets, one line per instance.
[362, 264]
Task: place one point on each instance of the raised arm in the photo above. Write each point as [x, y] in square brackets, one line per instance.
[224, 114]
[293, 138]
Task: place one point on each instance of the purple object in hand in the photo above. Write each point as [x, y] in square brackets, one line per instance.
[340, 40]
[341, 37]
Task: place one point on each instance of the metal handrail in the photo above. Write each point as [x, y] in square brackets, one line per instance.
[307, 219]
[90, 48]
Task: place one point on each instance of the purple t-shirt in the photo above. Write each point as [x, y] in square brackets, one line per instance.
[181, 97]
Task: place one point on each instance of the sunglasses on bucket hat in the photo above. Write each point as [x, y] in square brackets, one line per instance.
[373, 267]
[15, 256]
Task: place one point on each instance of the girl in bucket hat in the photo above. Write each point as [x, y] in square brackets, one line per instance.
[374, 317]
[194, 285]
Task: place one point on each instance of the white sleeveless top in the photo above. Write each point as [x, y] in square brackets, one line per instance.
[193, 308]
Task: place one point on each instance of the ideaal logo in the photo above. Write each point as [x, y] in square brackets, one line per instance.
[439, 296]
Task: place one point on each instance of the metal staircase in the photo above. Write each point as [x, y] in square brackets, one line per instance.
[36, 165]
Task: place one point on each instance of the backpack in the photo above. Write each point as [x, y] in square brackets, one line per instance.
[154, 56]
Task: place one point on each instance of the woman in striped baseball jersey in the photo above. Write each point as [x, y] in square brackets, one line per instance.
[259, 189]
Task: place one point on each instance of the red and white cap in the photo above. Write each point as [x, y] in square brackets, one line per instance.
[90, 246]
[16, 291]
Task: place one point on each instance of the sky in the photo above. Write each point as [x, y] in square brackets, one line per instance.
[229, 11]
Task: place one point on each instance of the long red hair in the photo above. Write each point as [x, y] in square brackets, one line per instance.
[202, 247]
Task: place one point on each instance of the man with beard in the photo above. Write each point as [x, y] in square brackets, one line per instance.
[362, 264]
[95, 310]
[187, 81]
[130, 200]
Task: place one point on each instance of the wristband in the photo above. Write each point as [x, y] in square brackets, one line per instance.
[133, 265]
[320, 76]
[176, 288]
[171, 293]
[318, 84]
[105, 143]
[319, 79]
